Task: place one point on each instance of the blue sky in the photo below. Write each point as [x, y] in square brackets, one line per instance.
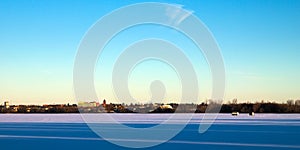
[259, 40]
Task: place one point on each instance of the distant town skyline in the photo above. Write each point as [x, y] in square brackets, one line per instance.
[259, 40]
[232, 107]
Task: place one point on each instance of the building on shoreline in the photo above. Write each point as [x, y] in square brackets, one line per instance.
[6, 104]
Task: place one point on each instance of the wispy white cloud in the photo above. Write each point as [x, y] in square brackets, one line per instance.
[177, 15]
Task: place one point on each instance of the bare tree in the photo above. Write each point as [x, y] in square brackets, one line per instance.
[234, 101]
[290, 102]
[297, 102]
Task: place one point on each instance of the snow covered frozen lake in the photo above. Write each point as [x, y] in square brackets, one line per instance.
[69, 131]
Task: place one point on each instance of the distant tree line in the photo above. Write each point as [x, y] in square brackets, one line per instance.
[40, 109]
[290, 106]
[259, 107]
